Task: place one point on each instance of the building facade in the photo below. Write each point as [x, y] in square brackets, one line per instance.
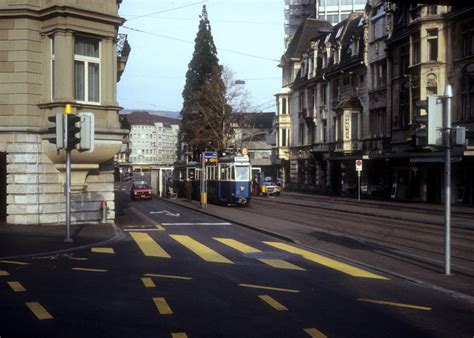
[54, 52]
[153, 139]
[352, 94]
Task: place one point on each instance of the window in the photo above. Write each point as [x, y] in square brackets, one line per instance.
[284, 137]
[354, 126]
[302, 133]
[379, 22]
[324, 126]
[404, 111]
[432, 40]
[415, 49]
[53, 69]
[467, 97]
[335, 89]
[378, 122]
[467, 42]
[283, 106]
[87, 70]
[323, 93]
[404, 60]
[432, 10]
[379, 74]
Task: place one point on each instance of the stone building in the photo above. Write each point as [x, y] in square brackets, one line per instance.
[54, 52]
[352, 94]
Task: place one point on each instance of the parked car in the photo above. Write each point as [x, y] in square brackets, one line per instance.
[140, 190]
[271, 189]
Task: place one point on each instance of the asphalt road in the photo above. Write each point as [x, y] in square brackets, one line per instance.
[179, 273]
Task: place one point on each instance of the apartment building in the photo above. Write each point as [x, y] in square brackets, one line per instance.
[152, 140]
[351, 95]
[54, 52]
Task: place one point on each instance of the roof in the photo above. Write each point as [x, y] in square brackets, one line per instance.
[145, 118]
[306, 32]
[256, 120]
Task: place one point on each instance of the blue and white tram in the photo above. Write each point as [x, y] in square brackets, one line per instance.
[229, 181]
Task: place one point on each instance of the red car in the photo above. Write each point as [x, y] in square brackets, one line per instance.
[140, 191]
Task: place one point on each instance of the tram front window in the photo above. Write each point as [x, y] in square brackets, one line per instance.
[242, 173]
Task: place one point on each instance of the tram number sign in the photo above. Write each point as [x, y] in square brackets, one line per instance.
[210, 158]
[208, 154]
[358, 164]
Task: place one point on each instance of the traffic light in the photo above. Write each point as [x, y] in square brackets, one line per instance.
[429, 125]
[72, 130]
[57, 130]
[86, 134]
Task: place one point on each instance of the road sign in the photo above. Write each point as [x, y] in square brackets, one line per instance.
[208, 154]
[358, 165]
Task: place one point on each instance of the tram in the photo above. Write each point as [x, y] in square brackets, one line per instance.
[228, 181]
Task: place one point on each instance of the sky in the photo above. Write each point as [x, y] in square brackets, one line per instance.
[161, 34]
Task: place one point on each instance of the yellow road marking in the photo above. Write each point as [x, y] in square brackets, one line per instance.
[78, 258]
[4, 273]
[244, 248]
[273, 303]
[160, 227]
[280, 264]
[178, 335]
[201, 250]
[424, 308]
[148, 246]
[16, 286]
[166, 276]
[38, 310]
[103, 250]
[315, 333]
[267, 288]
[87, 269]
[15, 262]
[148, 282]
[162, 306]
[330, 263]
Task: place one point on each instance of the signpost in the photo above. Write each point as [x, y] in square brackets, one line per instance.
[358, 164]
[206, 158]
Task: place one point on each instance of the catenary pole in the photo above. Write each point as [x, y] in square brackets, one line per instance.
[448, 95]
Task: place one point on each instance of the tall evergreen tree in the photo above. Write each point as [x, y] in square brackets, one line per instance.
[204, 101]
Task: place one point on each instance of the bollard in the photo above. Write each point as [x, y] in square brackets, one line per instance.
[103, 206]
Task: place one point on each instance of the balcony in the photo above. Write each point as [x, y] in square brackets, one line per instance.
[123, 51]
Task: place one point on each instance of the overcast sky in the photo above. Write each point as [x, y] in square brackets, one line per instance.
[155, 74]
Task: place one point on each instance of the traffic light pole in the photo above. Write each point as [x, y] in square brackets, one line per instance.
[448, 95]
[68, 197]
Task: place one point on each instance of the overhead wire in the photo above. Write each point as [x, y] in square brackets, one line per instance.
[192, 42]
[166, 10]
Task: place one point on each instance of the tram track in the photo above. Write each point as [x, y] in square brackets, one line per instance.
[416, 237]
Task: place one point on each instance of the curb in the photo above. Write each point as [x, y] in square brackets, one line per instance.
[118, 235]
[452, 293]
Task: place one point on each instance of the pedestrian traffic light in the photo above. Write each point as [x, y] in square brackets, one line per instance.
[72, 130]
[57, 132]
[429, 125]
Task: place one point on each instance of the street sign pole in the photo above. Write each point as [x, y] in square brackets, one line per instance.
[358, 185]
[448, 95]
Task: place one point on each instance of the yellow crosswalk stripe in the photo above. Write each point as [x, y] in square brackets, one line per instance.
[4, 273]
[178, 335]
[273, 303]
[148, 282]
[314, 333]
[89, 269]
[328, 262]
[409, 306]
[148, 245]
[39, 311]
[162, 306]
[268, 288]
[201, 250]
[160, 227]
[15, 262]
[16, 286]
[103, 250]
[247, 249]
[166, 276]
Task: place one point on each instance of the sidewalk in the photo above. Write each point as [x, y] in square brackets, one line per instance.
[33, 240]
[370, 255]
